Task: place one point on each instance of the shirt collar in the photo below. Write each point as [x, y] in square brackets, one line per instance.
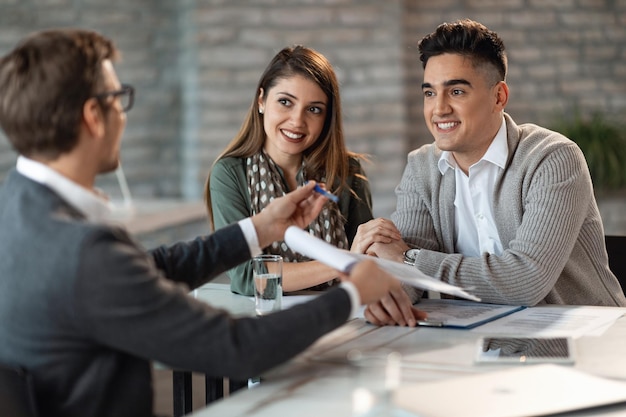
[497, 153]
[95, 207]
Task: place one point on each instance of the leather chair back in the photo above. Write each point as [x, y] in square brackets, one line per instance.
[616, 249]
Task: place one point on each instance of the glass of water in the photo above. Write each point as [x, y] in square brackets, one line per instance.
[268, 283]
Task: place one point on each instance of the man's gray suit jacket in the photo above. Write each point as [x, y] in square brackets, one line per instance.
[85, 309]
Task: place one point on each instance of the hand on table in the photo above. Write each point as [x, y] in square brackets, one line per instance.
[395, 308]
[387, 302]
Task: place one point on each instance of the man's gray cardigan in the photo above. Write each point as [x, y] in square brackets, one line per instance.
[547, 219]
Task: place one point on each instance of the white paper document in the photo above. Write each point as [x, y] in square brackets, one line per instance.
[554, 321]
[342, 260]
[534, 390]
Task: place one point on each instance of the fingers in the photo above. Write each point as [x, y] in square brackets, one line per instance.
[392, 251]
[376, 314]
[298, 208]
[394, 309]
[303, 192]
[308, 205]
[312, 205]
[306, 198]
[399, 307]
[419, 314]
[383, 228]
[310, 209]
[382, 313]
[375, 231]
[387, 302]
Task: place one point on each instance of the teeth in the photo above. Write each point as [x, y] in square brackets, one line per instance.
[292, 135]
[445, 126]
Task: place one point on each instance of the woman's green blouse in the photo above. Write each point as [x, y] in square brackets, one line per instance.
[230, 202]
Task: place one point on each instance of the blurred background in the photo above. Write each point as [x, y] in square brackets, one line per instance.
[195, 65]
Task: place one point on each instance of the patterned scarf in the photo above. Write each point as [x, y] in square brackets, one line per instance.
[265, 184]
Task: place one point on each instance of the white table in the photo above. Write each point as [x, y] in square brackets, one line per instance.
[313, 385]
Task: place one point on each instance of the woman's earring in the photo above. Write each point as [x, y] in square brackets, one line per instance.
[260, 111]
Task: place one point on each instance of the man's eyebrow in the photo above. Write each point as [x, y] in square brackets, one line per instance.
[456, 82]
[449, 83]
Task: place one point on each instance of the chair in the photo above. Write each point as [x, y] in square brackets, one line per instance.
[17, 394]
[616, 249]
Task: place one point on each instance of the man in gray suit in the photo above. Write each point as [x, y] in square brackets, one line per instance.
[82, 306]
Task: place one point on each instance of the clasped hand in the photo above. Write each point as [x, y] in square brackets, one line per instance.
[380, 238]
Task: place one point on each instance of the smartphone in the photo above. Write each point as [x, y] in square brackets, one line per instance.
[522, 350]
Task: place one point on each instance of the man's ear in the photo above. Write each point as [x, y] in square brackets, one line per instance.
[93, 118]
[502, 95]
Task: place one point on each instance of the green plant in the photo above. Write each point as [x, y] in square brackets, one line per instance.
[604, 146]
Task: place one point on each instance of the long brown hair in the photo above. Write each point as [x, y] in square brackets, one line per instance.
[328, 157]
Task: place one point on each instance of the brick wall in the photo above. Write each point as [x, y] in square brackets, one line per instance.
[563, 54]
[237, 39]
[196, 63]
[147, 33]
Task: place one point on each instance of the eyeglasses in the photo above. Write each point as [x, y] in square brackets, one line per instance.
[126, 95]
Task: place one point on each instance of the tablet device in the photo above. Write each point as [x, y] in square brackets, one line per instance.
[522, 350]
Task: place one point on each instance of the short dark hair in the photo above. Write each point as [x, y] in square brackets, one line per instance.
[44, 83]
[469, 38]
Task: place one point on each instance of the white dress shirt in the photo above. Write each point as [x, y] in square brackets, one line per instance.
[96, 208]
[475, 229]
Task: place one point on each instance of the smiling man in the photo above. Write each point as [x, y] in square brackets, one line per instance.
[504, 209]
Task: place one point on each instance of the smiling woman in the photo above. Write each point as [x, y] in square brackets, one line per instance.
[294, 112]
[292, 133]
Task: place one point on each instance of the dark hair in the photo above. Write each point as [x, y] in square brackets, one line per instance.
[44, 83]
[469, 38]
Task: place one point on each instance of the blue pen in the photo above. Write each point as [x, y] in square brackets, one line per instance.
[325, 193]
